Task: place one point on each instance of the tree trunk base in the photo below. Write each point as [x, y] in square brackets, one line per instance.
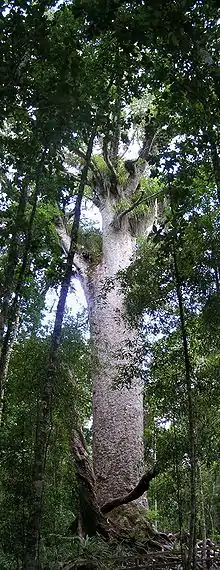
[124, 520]
[129, 523]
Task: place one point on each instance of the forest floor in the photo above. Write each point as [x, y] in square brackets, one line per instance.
[102, 555]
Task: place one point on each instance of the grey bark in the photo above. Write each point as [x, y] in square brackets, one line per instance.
[136, 493]
[117, 408]
[118, 457]
[117, 401]
[90, 517]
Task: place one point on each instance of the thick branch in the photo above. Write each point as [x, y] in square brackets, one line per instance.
[97, 174]
[142, 198]
[137, 492]
[114, 178]
[140, 164]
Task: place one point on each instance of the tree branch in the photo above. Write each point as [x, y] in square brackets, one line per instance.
[79, 261]
[110, 167]
[118, 217]
[141, 162]
[137, 492]
[142, 198]
[97, 174]
[132, 207]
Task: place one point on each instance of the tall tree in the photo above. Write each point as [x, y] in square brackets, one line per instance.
[117, 397]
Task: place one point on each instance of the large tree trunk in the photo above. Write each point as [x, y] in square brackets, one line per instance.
[117, 407]
[117, 392]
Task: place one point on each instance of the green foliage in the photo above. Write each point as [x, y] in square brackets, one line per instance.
[90, 244]
[100, 163]
[72, 405]
[95, 553]
[191, 227]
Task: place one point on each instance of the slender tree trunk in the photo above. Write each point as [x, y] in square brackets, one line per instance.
[191, 426]
[191, 432]
[203, 517]
[179, 497]
[13, 311]
[44, 421]
[5, 361]
[215, 163]
[13, 253]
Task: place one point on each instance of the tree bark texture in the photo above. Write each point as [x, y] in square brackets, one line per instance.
[117, 393]
[118, 457]
[117, 407]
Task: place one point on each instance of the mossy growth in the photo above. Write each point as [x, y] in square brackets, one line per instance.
[121, 171]
[132, 522]
[147, 187]
[100, 163]
[90, 244]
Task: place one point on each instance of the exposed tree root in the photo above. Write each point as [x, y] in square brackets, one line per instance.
[92, 520]
[127, 521]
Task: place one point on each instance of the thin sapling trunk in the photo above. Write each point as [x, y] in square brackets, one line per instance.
[44, 420]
